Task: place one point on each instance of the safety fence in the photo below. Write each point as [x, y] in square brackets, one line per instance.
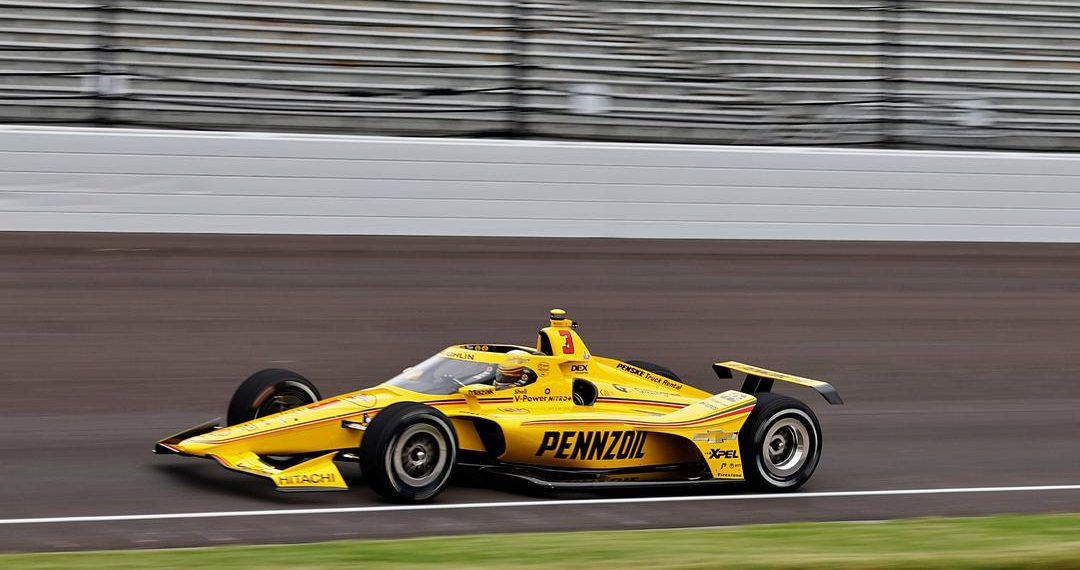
[899, 73]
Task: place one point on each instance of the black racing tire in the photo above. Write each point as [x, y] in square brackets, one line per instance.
[780, 443]
[268, 392]
[654, 368]
[408, 452]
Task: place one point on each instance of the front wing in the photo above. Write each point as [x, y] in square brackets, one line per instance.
[315, 474]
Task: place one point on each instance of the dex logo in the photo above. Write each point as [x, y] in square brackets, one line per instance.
[579, 368]
[717, 453]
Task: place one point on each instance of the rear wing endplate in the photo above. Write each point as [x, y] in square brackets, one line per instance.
[761, 380]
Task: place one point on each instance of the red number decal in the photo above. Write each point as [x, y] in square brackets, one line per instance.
[568, 346]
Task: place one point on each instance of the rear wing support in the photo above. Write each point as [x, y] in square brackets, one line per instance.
[761, 380]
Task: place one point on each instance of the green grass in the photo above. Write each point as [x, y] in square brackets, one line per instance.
[1011, 541]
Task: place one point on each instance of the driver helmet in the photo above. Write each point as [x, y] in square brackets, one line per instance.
[512, 372]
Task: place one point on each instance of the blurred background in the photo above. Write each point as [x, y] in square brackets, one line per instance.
[906, 73]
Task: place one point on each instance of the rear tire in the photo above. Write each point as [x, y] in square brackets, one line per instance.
[780, 443]
[408, 452]
[654, 368]
[268, 392]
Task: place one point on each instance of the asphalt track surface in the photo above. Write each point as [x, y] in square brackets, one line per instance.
[959, 365]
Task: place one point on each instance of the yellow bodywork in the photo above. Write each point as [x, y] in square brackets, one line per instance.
[639, 420]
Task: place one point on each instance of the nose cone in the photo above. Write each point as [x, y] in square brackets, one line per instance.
[205, 443]
[197, 446]
[174, 443]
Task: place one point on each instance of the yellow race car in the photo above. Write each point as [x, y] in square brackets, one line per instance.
[554, 415]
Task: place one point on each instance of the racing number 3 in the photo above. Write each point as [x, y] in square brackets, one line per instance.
[568, 346]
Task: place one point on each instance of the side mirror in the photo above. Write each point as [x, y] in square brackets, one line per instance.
[474, 390]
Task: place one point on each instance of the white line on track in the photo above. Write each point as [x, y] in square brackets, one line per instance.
[553, 503]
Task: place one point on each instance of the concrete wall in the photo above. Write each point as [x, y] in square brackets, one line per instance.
[54, 179]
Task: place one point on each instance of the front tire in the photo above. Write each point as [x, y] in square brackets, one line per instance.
[268, 392]
[780, 443]
[408, 452]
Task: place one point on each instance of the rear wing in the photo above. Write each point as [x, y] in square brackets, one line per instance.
[761, 380]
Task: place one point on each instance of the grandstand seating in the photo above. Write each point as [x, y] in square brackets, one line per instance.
[981, 73]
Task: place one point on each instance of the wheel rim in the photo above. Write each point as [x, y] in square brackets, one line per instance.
[287, 398]
[785, 447]
[419, 455]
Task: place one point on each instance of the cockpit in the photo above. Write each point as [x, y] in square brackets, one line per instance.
[444, 375]
[451, 369]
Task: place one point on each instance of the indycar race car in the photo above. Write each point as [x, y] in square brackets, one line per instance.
[552, 415]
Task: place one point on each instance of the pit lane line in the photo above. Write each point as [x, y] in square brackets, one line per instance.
[552, 503]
